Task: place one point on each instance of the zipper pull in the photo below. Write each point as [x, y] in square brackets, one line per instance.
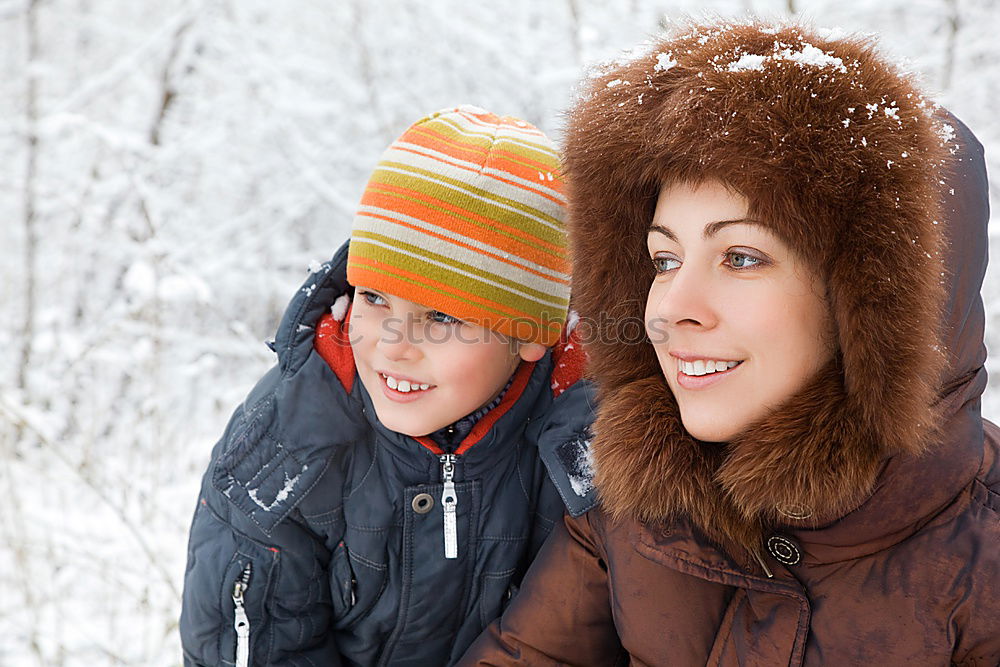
[449, 501]
[242, 623]
[763, 565]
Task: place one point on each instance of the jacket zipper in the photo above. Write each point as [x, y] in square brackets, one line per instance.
[449, 501]
[242, 623]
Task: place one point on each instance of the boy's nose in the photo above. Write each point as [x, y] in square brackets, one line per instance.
[396, 341]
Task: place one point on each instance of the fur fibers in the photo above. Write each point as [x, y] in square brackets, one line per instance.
[840, 154]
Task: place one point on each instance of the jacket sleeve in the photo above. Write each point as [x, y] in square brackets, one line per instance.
[562, 614]
[284, 597]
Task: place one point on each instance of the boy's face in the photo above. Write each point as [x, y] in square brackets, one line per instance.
[424, 369]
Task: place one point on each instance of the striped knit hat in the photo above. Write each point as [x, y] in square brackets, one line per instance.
[464, 214]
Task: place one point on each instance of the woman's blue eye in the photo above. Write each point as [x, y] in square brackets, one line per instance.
[443, 318]
[664, 264]
[373, 299]
[739, 260]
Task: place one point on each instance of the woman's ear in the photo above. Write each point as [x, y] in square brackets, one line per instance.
[531, 351]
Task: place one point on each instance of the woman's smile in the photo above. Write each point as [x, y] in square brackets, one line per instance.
[694, 372]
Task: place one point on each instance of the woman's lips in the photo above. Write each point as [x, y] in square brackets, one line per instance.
[695, 382]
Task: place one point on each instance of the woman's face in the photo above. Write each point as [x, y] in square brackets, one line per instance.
[737, 319]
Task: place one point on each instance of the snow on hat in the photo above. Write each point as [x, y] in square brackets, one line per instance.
[464, 214]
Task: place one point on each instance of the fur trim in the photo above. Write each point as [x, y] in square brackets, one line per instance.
[839, 153]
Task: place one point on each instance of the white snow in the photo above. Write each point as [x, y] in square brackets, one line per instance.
[812, 56]
[571, 321]
[832, 33]
[808, 55]
[282, 494]
[340, 307]
[946, 132]
[748, 61]
[583, 483]
[664, 61]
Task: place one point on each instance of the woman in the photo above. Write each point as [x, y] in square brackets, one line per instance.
[793, 468]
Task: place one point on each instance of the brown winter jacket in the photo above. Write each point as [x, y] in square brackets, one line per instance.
[859, 524]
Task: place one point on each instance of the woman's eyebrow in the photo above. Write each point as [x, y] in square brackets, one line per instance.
[713, 228]
[710, 230]
[660, 229]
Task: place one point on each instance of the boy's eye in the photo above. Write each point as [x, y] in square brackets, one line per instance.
[664, 264]
[443, 318]
[373, 298]
[741, 260]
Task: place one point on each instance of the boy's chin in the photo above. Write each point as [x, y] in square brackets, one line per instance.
[418, 429]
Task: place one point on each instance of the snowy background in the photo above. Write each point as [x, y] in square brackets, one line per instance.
[168, 171]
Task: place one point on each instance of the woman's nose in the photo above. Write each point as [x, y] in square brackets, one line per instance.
[686, 300]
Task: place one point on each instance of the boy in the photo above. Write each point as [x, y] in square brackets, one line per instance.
[380, 493]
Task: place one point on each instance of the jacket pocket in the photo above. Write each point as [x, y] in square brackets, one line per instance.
[245, 590]
[342, 582]
[229, 581]
[496, 590]
[356, 585]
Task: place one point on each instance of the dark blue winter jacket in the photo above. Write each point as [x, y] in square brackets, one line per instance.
[318, 536]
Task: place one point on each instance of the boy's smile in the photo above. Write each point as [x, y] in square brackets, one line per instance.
[402, 389]
[424, 369]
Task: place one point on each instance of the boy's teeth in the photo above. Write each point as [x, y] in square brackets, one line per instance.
[404, 386]
[704, 367]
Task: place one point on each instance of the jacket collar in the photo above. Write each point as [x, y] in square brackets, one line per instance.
[493, 435]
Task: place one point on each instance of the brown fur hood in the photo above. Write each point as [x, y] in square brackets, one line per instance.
[843, 156]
